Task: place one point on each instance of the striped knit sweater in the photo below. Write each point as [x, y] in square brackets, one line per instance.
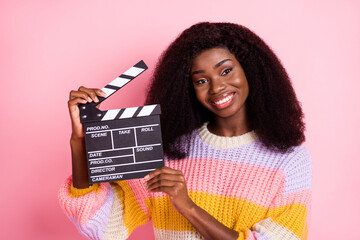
[259, 193]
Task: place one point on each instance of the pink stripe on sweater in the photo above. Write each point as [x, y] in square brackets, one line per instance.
[90, 202]
[230, 179]
[256, 184]
[302, 197]
[140, 192]
[250, 235]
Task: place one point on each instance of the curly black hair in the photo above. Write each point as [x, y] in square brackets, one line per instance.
[272, 107]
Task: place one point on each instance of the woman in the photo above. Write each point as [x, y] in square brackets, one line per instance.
[232, 129]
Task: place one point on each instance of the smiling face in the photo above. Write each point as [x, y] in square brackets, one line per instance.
[220, 83]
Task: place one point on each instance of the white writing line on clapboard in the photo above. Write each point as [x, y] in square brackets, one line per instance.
[128, 155]
[119, 165]
[116, 129]
[146, 170]
[133, 154]
[115, 149]
[112, 140]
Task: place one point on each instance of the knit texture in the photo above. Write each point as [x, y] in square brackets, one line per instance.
[260, 193]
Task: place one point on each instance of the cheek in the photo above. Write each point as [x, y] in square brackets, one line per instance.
[200, 95]
[246, 90]
[243, 85]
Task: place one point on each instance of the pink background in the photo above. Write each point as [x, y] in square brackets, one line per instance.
[48, 48]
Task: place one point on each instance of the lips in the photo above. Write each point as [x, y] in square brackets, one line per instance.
[223, 101]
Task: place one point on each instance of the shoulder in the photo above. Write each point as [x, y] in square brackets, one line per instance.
[297, 169]
[296, 159]
[294, 166]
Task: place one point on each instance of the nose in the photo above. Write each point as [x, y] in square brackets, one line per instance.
[216, 85]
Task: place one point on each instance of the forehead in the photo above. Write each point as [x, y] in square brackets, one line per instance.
[211, 57]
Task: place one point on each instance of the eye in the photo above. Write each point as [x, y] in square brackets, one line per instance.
[200, 82]
[226, 71]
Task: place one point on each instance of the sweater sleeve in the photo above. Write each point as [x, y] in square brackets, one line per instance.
[105, 210]
[288, 214]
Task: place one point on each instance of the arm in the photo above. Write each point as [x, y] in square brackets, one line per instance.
[172, 182]
[83, 203]
[99, 210]
[77, 141]
[288, 214]
[206, 224]
[284, 216]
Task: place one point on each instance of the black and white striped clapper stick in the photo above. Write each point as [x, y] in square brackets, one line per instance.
[89, 112]
[123, 79]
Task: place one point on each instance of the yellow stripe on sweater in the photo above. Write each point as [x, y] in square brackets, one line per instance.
[134, 216]
[78, 192]
[292, 217]
[234, 213]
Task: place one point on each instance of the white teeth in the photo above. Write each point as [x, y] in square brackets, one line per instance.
[224, 100]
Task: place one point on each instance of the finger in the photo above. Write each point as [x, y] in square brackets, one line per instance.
[90, 92]
[172, 191]
[77, 128]
[74, 102]
[160, 171]
[74, 110]
[165, 177]
[161, 183]
[93, 93]
[100, 93]
[80, 94]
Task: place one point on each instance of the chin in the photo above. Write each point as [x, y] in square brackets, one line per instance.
[228, 112]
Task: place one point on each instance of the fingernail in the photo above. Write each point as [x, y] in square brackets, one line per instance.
[96, 99]
[146, 177]
[89, 99]
[102, 93]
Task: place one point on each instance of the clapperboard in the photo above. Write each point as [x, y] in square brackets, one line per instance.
[122, 143]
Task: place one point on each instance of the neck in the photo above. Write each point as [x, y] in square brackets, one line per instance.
[229, 127]
[225, 142]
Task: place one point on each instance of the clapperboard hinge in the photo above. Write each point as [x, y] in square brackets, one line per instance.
[89, 112]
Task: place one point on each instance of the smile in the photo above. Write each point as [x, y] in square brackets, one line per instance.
[223, 101]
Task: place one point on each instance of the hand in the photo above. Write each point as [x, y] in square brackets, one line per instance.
[79, 164]
[82, 95]
[171, 182]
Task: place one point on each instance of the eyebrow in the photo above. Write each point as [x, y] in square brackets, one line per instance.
[215, 66]
[220, 63]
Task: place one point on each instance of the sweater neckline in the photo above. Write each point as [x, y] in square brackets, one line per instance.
[225, 142]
